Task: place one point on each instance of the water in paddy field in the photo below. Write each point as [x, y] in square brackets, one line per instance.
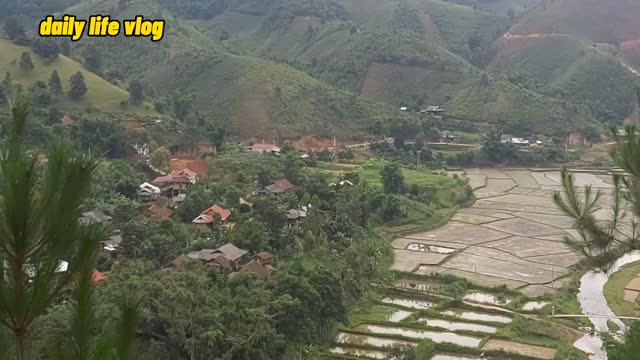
[452, 357]
[470, 315]
[360, 339]
[398, 316]
[409, 303]
[435, 336]
[483, 298]
[593, 302]
[534, 305]
[345, 350]
[457, 326]
[430, 248]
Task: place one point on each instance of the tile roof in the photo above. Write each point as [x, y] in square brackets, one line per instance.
[208, 215]
[231, 251]
[94, 217]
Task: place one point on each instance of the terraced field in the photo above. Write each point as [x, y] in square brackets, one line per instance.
[512, 235]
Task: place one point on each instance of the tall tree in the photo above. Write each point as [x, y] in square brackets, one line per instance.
[136, 92]
[25, 62]
[42, 244]
[55, 84]
[392, 178]
[46, 48]
[78, 87]
[602, 242]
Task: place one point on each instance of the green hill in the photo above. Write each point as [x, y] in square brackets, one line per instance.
[570, 69]
[101, 95]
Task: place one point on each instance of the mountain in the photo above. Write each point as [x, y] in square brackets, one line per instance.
[596, 21]
[249, 96]
[583, 51]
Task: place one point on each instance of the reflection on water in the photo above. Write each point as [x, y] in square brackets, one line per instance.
[430, 248]
[451, 357]
[469, 315]
[410, 303]
[438, 337]
[593, 302]
[373, 354]
[456, 326]
[398, 316]
[534, 305]
[358, 339]
[484, 298]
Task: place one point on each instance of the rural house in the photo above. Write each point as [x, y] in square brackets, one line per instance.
[160, 211]
[257, 269]
[175, 184]
[112, 243]
[209, 215]
[278, 187]
[263, 149]
[94, 217]
[226, 256]
[148, 192]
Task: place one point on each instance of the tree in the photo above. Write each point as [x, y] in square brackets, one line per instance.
[78, 87]
[13, 28]
[136, 92]
[160, 159]
[55, 84]
[627, 350]
[392, 178]
[484, 79]
[25, 62]
[38, 217]
[602, 242]
[496, 150]
[511, 13]
[47, 48]
[425, 349]
[92, 59]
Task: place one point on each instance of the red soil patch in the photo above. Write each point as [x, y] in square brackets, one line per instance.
[199, 166]
[135, 127]
[630, 52]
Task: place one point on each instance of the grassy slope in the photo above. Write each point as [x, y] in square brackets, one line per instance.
[586, 74]
[614, 290]
[518, 110]
[286, 99]
[101, 95]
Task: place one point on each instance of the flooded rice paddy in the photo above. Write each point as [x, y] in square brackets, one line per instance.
[398, 316]
[483, 298]
[471, 315]
[408, 303]
[345, 350]
[457, 326]
[435, 336]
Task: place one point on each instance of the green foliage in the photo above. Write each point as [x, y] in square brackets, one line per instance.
[47, 48]
[160, 159]
[425, 349]
[392, 178]
[25, 62]
[602, 243]
[77, 86]
[136, 92]
[55, 84]
[496, 150]
[101, 135]
[40, 210]
[626, 350]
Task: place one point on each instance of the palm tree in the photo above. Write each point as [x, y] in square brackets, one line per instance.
[44, 250]
[602, 241]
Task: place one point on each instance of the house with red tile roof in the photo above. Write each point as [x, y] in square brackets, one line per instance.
[209, 215]
[278, 187]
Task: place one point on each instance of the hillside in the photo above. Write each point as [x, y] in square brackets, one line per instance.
[260, 99]
[248, 96]
[101, 95]
[569, 68]
[612, 21]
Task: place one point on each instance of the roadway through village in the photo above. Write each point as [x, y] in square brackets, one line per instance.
[512, 235]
